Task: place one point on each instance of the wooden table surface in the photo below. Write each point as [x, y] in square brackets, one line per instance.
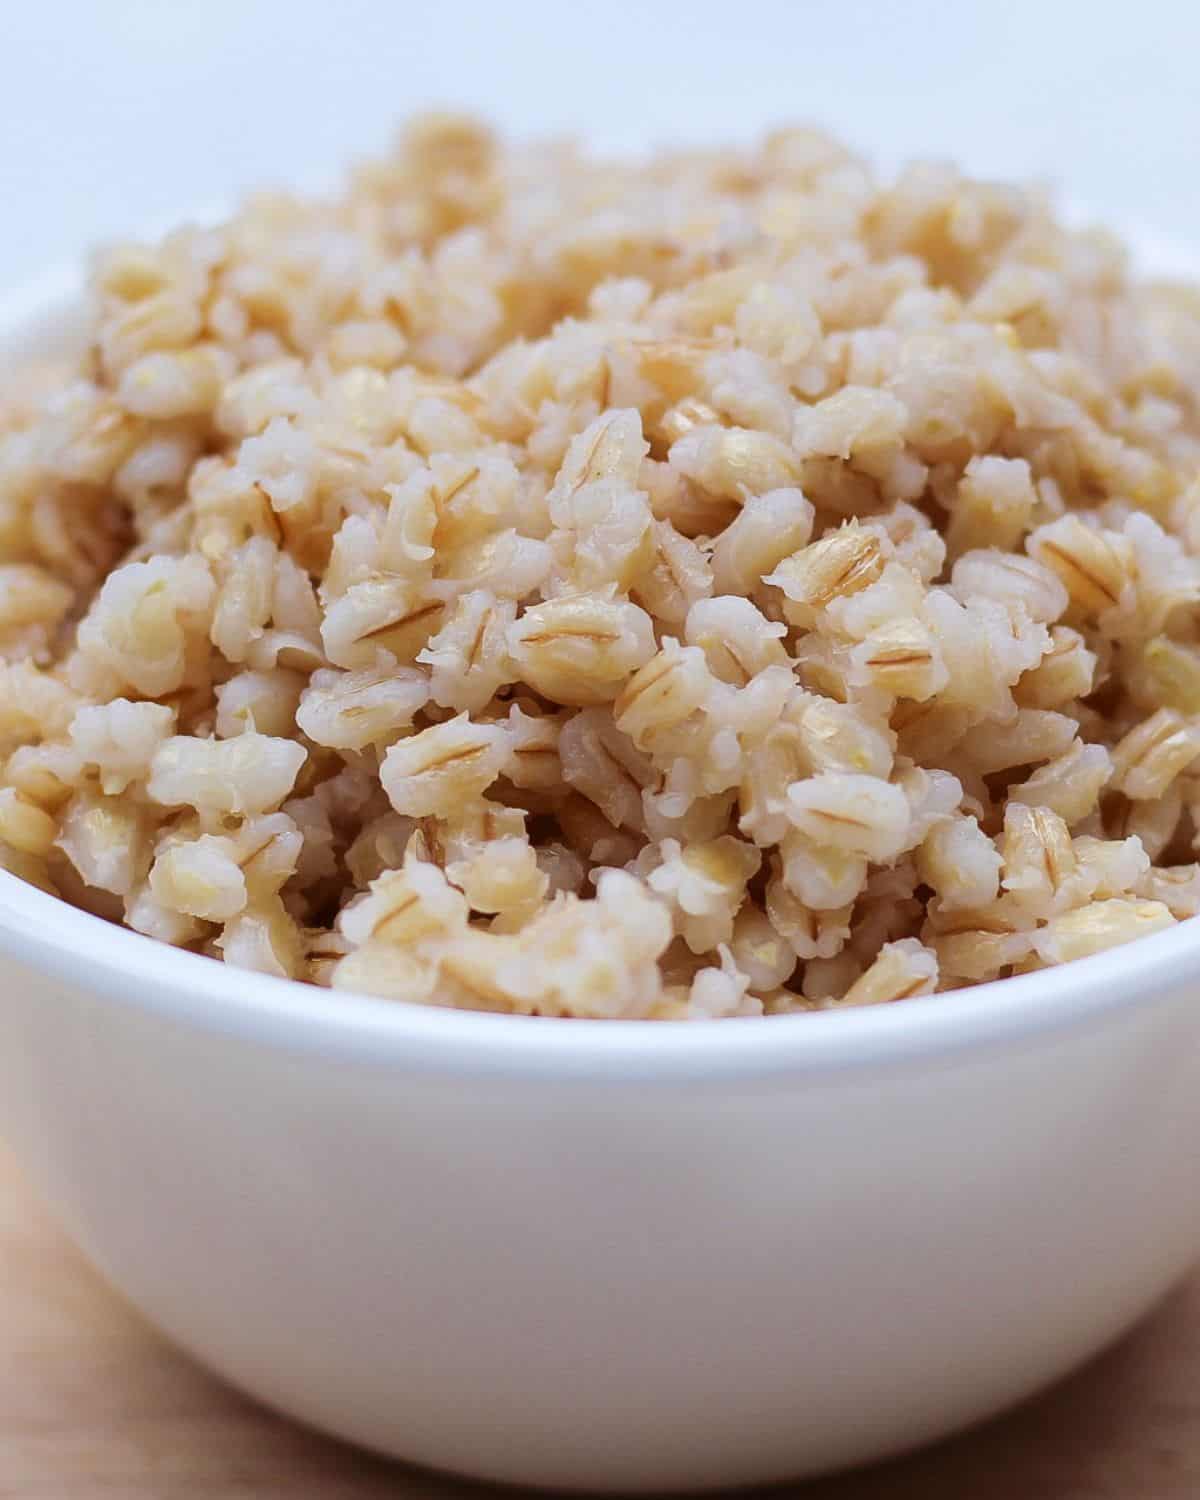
[94, 1406]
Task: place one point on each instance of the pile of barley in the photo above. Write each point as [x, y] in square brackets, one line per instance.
[715, 586]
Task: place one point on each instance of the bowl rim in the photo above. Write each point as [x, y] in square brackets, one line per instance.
[47, 935]
[50, 937]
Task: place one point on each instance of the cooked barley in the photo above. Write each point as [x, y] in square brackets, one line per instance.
[717, 586]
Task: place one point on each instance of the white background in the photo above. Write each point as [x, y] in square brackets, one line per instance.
[117, 114]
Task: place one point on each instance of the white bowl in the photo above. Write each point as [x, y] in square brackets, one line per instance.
[610, 1255]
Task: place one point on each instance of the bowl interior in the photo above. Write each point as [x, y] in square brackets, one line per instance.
[47, 321]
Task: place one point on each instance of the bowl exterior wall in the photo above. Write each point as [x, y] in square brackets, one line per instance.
[617, 1283]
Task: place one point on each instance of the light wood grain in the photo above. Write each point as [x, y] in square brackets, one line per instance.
[94, 1406]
